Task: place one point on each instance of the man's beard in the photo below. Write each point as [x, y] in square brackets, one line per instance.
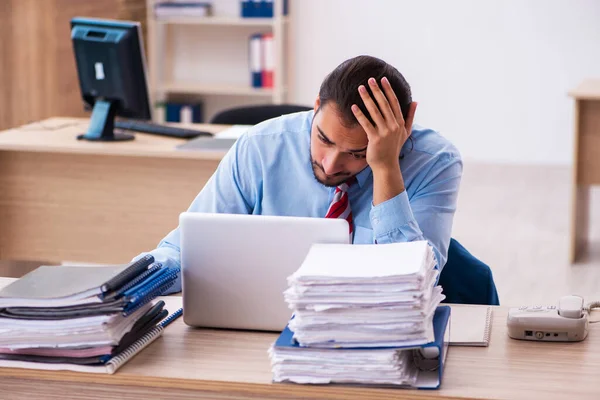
[317, 167]
[338, 178]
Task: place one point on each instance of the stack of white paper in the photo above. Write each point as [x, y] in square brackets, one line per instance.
[364, 295]
[98, 330]
[187, 8]
[317, 366]
[374, 297]
[66, 317]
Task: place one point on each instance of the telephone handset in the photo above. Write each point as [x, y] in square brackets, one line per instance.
[567, 322]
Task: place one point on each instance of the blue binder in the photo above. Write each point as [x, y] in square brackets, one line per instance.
[429, 358]
[260, 8]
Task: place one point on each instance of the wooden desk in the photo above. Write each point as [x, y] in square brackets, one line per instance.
[586, 161]
[191, 363]
[65, 199]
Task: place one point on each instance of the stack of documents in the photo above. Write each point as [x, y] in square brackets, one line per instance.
[354, 308]
[62, 317]
[364, 295]
[182, 8]
[410, 366]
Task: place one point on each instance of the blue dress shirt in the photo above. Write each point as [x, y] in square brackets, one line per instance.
[268, 172]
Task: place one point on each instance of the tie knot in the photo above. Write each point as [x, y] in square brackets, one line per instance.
[347, 183]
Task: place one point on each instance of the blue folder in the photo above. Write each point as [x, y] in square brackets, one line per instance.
[431, 367]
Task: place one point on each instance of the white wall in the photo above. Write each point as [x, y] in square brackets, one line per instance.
[491, 75]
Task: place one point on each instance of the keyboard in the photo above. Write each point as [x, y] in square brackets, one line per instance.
[157, 129]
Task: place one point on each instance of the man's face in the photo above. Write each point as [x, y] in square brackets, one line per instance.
[336, 152]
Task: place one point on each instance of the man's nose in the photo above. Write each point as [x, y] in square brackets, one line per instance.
[332, 163]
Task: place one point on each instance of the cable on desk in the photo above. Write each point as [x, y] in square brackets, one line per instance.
[590, 307]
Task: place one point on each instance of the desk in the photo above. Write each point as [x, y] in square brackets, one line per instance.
[64, 199]
[191, 363]
[586, 161]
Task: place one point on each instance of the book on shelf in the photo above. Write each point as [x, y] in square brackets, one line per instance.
[261, 60]
[260, 8]
[188, 113]
[166, 9]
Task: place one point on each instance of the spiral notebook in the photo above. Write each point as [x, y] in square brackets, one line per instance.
[113, 364]
[131, 299]
[60, 286]
[471, 325]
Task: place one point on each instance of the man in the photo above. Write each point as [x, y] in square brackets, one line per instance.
[355, 156]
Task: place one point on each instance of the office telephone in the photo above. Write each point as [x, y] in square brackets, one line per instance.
[566, 322]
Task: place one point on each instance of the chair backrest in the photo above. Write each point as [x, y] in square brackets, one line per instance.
[252, 115]
[467, 280]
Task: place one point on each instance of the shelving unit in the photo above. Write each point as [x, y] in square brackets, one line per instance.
[223, 21]
[162, 60]
[220, 89]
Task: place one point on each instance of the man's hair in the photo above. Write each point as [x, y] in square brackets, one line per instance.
[341, 86]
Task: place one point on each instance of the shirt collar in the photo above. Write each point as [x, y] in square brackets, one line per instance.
[363, 175]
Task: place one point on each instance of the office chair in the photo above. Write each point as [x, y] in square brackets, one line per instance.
[252, 115]
[467, 280]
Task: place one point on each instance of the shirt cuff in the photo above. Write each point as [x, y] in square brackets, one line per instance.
[391, 215]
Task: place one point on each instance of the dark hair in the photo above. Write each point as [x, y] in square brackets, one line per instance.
[341, 86]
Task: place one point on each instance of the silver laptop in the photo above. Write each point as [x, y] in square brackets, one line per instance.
[235, 267]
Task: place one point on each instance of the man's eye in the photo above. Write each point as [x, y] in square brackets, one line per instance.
[357, 156]
[322, 139]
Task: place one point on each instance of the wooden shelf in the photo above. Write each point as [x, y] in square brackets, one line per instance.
[207, 88]
[164, 64]
[222, 21]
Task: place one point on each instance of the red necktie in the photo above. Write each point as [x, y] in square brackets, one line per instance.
[340, 206]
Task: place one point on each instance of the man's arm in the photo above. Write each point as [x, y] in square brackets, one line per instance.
[231, 189]
[429, 213]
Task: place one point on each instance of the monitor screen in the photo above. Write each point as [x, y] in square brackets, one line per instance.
[112, 74]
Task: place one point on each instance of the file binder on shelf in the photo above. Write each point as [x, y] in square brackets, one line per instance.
[428, 359]
[250, 8]
[268, 60]
[260, 8]
[256, 60]
[183, 112]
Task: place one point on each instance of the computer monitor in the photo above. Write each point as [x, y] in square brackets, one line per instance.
[112, 74]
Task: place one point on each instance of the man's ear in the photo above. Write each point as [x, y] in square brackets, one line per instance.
[317, 103]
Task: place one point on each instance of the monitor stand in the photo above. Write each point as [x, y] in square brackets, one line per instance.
[102, 124]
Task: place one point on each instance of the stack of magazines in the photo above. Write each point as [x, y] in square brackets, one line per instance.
[182, 8]
[355, 307]
[82, 318]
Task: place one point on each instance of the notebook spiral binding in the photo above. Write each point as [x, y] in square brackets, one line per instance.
[171, 318]
[120, 359]
[156, 289]
[148, 296]
[137, 346]
[170, 275]
[155, 267]
[116, 281]
[488, 325]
